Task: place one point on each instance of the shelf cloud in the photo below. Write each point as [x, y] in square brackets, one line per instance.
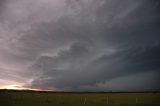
[80, 45]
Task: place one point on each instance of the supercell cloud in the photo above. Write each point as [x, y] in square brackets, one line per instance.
[80, 45]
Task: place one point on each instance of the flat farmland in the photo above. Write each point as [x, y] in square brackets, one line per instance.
[78, 99]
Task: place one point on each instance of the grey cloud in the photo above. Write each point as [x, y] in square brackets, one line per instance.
[88, 44]
[104, 69]
[134, 51]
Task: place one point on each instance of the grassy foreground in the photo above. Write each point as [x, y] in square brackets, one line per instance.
[78, 99]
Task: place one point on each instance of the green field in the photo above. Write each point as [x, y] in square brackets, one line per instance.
[78, 99]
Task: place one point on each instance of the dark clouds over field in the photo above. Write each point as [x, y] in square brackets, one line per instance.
[90, 45]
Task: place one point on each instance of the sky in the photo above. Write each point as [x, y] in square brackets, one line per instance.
[80, 45]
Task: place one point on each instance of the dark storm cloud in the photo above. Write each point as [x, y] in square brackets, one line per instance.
[85, 44]
[103, 69]
[123, 38]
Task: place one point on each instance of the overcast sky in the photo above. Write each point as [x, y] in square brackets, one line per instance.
[80, 45]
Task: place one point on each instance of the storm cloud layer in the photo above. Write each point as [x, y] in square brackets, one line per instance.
[80, 45]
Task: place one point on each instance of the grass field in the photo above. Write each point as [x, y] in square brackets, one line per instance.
[78, 99]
